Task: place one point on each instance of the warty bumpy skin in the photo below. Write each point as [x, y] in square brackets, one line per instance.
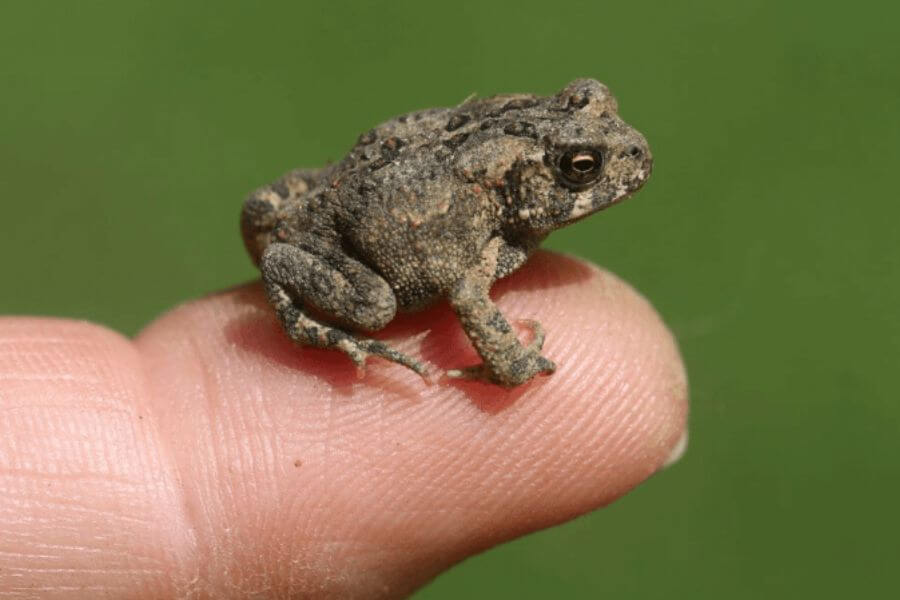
[439, 203]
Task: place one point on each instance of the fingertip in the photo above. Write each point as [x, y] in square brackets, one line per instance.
[677, 451]
[453, 467]
[620, 393]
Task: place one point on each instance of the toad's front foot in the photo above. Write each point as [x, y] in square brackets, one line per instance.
[519, 371]
[523, 364]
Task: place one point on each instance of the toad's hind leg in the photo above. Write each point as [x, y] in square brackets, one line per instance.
[260, 212]
[338, 286]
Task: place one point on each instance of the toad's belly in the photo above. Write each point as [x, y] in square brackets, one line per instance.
[420, 262]
[421, 269]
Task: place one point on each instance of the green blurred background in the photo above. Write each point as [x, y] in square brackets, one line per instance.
[767, 237]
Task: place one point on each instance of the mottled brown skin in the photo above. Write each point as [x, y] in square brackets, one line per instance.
[440, 203]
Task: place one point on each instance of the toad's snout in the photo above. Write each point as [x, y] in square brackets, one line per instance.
[635, 158]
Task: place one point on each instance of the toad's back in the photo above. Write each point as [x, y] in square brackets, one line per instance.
[441, 131]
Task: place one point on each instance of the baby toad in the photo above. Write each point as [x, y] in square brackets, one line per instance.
[439, 203]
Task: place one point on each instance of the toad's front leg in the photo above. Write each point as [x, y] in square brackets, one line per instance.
[506, 361]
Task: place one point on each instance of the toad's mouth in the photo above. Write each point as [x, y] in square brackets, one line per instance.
[587, 203]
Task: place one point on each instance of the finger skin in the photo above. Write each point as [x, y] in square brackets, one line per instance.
[88, 502]
[213, 458]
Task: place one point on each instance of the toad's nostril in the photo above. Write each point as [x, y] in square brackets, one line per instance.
[635, 151]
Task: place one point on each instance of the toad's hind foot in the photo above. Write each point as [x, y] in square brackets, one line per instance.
[307, 331]
[376, 348]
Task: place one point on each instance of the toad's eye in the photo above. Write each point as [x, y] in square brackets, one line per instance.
[581, 166]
